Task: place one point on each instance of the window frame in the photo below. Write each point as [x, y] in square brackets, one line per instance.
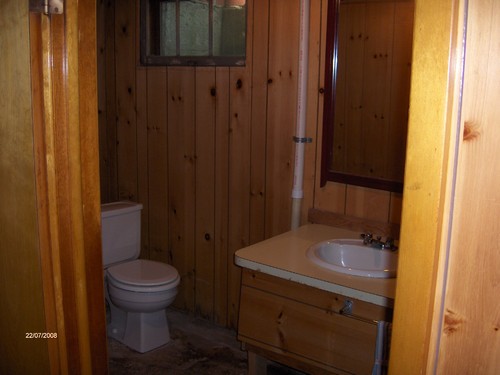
[148, 59]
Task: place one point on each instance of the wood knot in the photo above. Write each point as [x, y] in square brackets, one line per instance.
[279, 317]
[470, 131]
[452, 322]
[239, 84]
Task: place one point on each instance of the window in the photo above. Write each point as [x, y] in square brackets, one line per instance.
[193, 32]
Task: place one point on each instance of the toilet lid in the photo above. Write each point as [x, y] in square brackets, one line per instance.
[146, 273]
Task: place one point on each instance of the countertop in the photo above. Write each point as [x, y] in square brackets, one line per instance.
[284, 256]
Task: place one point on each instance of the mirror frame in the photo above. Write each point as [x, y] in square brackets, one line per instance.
[328, 174]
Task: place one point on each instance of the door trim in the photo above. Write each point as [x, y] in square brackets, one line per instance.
[64, 91]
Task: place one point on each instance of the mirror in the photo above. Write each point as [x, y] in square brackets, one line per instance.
[367, 90]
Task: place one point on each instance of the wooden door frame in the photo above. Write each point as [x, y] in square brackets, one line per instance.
[431, 148]
[66, 144]
[65, 125]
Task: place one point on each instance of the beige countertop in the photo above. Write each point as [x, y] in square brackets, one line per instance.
[284, 256]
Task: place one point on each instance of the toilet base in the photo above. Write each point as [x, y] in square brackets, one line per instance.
[141, 332]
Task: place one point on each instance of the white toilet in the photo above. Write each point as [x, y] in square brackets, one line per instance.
[137, 290]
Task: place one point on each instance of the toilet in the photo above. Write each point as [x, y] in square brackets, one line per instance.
[137, 290]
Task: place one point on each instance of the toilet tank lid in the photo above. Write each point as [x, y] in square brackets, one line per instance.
[119, 208]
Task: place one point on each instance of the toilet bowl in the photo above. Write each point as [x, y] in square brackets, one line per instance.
[137, 290]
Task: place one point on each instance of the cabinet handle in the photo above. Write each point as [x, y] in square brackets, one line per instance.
[346, 311]
[347, 308]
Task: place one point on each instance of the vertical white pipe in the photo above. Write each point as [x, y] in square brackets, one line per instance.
[300, 139]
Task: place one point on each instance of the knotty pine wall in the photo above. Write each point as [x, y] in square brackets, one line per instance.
[208, 151]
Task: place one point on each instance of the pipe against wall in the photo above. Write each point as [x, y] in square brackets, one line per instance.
[300, 139]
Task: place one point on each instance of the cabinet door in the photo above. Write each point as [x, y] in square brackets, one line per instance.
[318, 336]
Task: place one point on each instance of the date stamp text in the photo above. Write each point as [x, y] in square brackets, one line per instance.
[41, 335]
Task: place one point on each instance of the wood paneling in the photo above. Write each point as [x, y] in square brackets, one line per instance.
[260, 64]
[361, 225]
[367, 203]
[314, 109]
[143, 174]
[181, 180]
[281, 113]
[205, 113]
[470, 321]
[107, 100]
[221, 190]
[208, 151]
[153, 162]
[239, 179]
[125, 91]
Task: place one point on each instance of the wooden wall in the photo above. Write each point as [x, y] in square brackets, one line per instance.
[470, 314]
[209, 152]
[450, 323]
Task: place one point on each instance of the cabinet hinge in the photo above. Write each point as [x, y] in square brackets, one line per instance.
[47, 6]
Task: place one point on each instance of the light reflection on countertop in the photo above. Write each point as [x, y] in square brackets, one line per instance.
[284, 256]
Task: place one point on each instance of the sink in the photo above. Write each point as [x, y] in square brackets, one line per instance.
[352, 257]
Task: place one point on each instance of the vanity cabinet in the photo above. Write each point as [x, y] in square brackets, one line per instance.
[305, 327]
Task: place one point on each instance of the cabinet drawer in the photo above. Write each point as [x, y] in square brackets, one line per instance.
[312, 296]
[317, 335]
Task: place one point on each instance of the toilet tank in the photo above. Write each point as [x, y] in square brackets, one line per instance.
[121, 232]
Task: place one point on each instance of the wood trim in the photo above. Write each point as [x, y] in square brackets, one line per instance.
[42, 124]
[65, 111]
[426, 181]
[91, 257]
[329, 90]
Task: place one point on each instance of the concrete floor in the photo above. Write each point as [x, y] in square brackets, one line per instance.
[196, 347]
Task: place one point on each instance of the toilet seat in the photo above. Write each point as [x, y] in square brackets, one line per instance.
[142, 275]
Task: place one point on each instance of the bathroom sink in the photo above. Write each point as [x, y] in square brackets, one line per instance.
[352, 257]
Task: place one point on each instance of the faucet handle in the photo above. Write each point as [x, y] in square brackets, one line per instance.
[367, 237]
[389, 244]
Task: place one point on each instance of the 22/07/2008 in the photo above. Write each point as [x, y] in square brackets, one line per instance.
[41, 335]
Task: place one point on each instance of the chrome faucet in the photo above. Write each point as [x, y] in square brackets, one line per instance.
[377, 242]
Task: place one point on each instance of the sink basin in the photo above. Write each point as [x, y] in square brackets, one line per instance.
[352, 257]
